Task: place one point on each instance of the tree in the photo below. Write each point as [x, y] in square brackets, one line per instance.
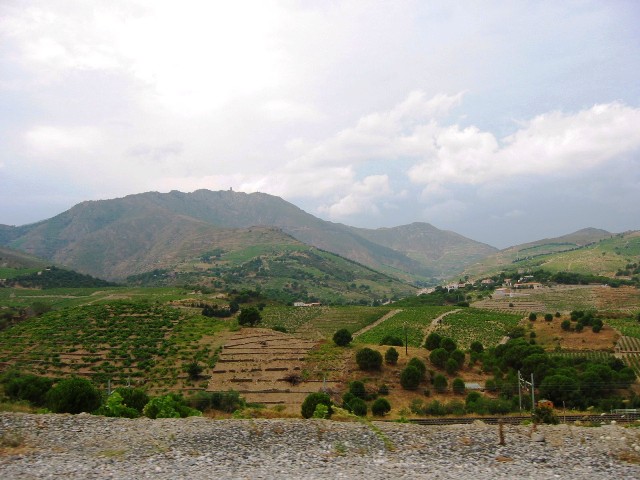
[311, 402]
[458, 386]
[133, 397]
[249, 316]
[548, 317]
[73, 395]
[357, 389]
[451, 366]
[410, 378]
[419, 364]
[448, 344]
[342, 337]
[358, 407]
[391, 356]
[194, 370]
[458, 356]
[440, 383]
[433, 341]
[439, 357]
[368, 359]
[533, 317]
[596, 325]
[380, 407]
[565, 325]
[28, 387]
[476, 347]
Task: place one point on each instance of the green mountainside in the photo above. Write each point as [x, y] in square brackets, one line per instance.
[589, 251]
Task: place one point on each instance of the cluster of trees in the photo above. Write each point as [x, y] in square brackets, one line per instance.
[54, 277]
[446, 355]
[76, 395]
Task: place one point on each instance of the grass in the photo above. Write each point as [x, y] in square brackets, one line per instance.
[471, 324]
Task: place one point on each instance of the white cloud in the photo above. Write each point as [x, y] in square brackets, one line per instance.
[551, 143]
[53, 141]
[361, 197]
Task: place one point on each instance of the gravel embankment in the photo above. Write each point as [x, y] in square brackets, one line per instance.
[84, 446]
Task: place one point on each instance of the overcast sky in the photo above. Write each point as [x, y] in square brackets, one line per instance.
[505, 121]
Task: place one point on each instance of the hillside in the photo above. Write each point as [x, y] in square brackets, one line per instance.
[119, 237]
[588, 251]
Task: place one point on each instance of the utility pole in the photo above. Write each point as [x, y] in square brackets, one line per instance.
[523, 384]
[406, 343]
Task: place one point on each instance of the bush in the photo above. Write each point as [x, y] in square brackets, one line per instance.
[433, 341]
[133, 398]
[533, 317]
[476, 347]
[391, 356]
[458, 386]
[356, 388]
[321, 411]
[115, 407]
[439, 357]
[545, 415]
[359, 407]
[380, 407]
[368, 359]
[435, 408]
[342, 337]
[311, 402]
[194, 370]
[440, 383]
[419, 364]
[169, 406]
[228, 401]
[383, 390]
[28, 387]
[391, 340]
[73, 395]
[249, 316]
[448, 344]
[451, 366]
[596, 325]
[565, 325]
[548, 317]
[458, 356]
[410, 378]
[279, 328]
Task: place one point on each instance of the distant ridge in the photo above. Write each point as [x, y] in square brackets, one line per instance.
[119, 237]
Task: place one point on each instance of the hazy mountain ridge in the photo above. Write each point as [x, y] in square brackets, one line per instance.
[115, 238]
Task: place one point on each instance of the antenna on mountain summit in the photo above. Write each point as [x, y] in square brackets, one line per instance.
[231, 189]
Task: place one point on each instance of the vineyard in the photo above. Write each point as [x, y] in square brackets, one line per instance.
[589, 355]
[412, 321]
[469, 325]
[123, 342]
[626, 326]
[320, 321]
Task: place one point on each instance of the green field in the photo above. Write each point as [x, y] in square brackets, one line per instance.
[321, 321]
[471, 324]
[629, 327]
[411, 321]
[121, 341]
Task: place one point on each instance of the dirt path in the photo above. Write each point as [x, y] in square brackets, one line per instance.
[435, 322]
[376, 323]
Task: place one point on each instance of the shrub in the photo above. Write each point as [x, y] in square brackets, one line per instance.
[391, 356]
[548, 317]
[73, 395]
[439, 357]
[28, 387]
[311, 402]
[533, 317]
[419, 364]
[596, 325]
[391, 340]
[169, 406]
[279, 328]
[565, 325]
[368, 359]
[458, 356]
[440, 383]
[433, 341]
[359, 407]
[383, 390]
[458, 386]
[228, 401]
[410, 378]
[342, 337]
[133, 397]
[451, 366]
[249, 316]
[435, 408]
[356, 388]
[448, 344]
[557, 315]
[321, 411]
[115, 407]
[476, 347]
[380, 407]
[545, 415]
[194, 370]
[579, 326]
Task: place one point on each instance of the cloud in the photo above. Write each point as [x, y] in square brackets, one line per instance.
[551, 143]
[361, 198]
[53, 141]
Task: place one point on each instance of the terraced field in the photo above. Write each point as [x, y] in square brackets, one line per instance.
[321, 321]
[411, 321]
[471, 324]
[268, 367]
[122, 342]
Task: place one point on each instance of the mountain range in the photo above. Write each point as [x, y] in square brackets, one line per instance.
[180, 233]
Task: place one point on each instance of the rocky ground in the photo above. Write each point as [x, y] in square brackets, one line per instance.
[85, 446]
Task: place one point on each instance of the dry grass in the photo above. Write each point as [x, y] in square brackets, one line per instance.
[550, 336]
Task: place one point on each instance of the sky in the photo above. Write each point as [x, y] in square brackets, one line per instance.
[505, 122]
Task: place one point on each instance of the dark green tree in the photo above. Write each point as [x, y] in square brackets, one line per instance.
[380, 407]
[448, 344]
[440, 383]
[391, 340]
[312, 400]
[410, 378]
[73, 395]
[391, 356]
[249, 316]
[368, 359]
[433, 341]
[439, 357]
[458, 386]
[342, 337]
